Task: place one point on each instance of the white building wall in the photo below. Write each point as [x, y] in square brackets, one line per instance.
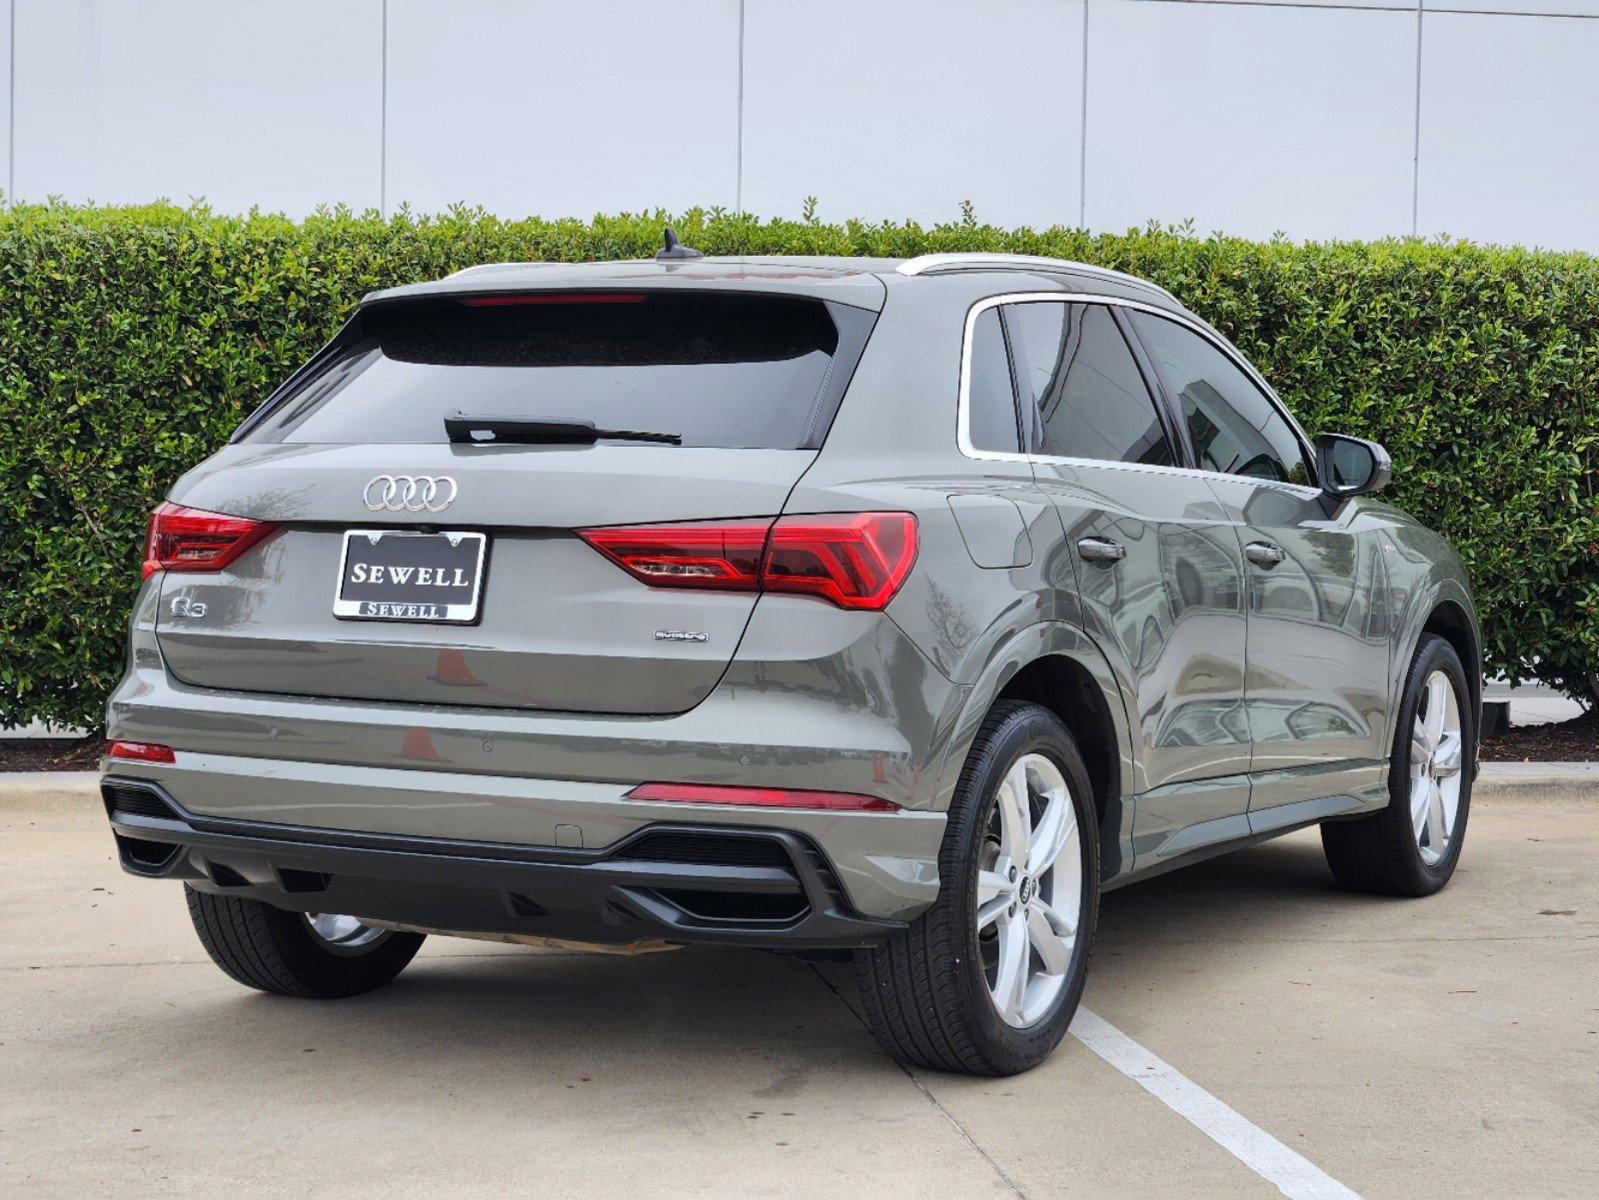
[1251, 118]
[7, 14]
[1510, 128]
[905, 108]
[562, 109]
[277, 104]
[1339, 118]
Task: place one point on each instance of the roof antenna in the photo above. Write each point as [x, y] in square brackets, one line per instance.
[674, 249]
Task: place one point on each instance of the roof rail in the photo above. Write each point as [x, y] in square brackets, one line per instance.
[931, 264]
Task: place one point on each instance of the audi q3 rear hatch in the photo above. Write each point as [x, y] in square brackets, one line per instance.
[428, 477]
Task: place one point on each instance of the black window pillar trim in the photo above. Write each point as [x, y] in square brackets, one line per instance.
[1167, 408]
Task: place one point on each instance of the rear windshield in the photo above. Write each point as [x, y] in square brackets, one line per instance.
[717, 370]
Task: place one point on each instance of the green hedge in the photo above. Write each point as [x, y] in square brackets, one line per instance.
[132, 340]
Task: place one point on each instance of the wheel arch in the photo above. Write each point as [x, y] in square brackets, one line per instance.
[1446, 610]
[1059, 667]
[1449, 620]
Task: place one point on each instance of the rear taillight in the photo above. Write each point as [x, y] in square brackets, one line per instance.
[853, 560]
[702, 555]
[142, 752]
[187, 539]
[758, 797]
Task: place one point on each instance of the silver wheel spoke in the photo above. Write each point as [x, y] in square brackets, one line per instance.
[1010, 984]
[992, 883]
[1438, 697]
[1052, 943]
[1451, 794]
[994, 894]
[1015, 815]
[1420, 793]
[1054, 830]
[1066, 896]
[1437, 829]
[1446, 757]
[992, 911]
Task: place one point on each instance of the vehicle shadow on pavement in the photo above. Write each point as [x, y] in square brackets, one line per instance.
[695, 1010]
[707, 1006]
[486, 1006]
[1280, 885]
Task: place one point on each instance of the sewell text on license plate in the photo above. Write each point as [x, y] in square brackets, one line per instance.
[402, 575]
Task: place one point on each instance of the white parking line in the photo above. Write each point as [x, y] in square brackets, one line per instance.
[1294, 1175]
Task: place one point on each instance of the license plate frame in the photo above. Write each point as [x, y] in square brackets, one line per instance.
[397, 609]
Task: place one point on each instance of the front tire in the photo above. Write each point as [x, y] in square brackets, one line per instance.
[986, 980]
[1410, 848]
[309, 956]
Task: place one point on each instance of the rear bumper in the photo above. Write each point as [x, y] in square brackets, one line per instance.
[680, 882]
[870, 716]
[886, 863]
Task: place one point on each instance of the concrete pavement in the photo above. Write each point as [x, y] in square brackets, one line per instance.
[1446, 1047]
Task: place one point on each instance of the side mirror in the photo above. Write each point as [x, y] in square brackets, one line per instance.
[1351, 466]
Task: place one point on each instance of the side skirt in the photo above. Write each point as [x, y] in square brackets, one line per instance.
[1208, 839]
[1213, 850]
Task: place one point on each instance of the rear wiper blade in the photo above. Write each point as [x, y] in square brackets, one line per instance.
[533, 431]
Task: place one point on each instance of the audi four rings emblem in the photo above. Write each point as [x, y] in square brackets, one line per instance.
[409, 493]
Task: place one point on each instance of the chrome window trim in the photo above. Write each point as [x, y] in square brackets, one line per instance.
[963, 407]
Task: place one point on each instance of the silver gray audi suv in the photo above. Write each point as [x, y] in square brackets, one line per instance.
[866, 608]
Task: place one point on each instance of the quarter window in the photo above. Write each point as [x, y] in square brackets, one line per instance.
[990, 397]
[1078, 373]
[1236, 430]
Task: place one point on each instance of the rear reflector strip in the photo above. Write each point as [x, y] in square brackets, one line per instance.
[142, 752]
[758, 797]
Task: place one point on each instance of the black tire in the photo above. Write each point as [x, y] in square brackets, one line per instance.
[923, 991]
[1379, 853]
[275, 951]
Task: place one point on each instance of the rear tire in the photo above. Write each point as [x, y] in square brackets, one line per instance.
[1400, 851]
[932, 994]
[278, 952]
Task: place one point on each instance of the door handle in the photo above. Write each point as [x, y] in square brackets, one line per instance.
[1101, 551]
[1264, 554]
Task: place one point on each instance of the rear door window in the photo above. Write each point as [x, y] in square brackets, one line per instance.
[740, 371]
[1079, 373]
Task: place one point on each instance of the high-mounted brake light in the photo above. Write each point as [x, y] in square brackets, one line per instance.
[188, 539]
[524, 299]
[758, 797]
[142, 752]
[853, 560]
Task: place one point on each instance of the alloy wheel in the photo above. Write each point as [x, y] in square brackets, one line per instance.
[341, 931]
[1437, 751]
[1029, 891]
